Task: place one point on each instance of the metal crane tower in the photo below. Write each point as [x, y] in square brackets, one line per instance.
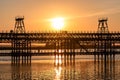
[19, 25]
[21, 47]
[103, 26]
[103, 44]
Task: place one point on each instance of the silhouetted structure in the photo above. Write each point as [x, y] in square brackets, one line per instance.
[21, 47]
[58, 43]
[104, 43]
[19, 25]
[103, 26]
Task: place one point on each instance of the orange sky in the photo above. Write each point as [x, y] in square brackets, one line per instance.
[79, 14]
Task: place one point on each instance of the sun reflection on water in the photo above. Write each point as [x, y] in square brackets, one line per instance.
[58, 73]
[58, 68]
[58, 60]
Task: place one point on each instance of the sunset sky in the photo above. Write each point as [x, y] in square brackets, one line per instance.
[79, 15]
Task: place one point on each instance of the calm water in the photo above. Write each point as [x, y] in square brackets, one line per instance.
[82, 68]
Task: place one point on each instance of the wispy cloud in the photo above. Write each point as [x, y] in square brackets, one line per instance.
[102, 13]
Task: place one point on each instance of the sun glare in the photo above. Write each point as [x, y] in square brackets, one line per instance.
[58, 23]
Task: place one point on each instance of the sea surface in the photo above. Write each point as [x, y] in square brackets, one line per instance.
[49, 68]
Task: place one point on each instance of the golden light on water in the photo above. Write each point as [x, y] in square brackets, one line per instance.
[58, 68]
[58, 60]
[58, 72]
[57, 23]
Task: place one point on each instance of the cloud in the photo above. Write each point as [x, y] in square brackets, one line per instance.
[103, 12]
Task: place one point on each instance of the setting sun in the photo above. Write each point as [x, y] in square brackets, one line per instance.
[58, 23]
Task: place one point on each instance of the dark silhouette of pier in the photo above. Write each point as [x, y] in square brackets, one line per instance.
[59, 43]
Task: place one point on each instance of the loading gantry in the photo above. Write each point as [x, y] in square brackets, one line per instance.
[19, 25]
[103, 26]
[21, 47]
